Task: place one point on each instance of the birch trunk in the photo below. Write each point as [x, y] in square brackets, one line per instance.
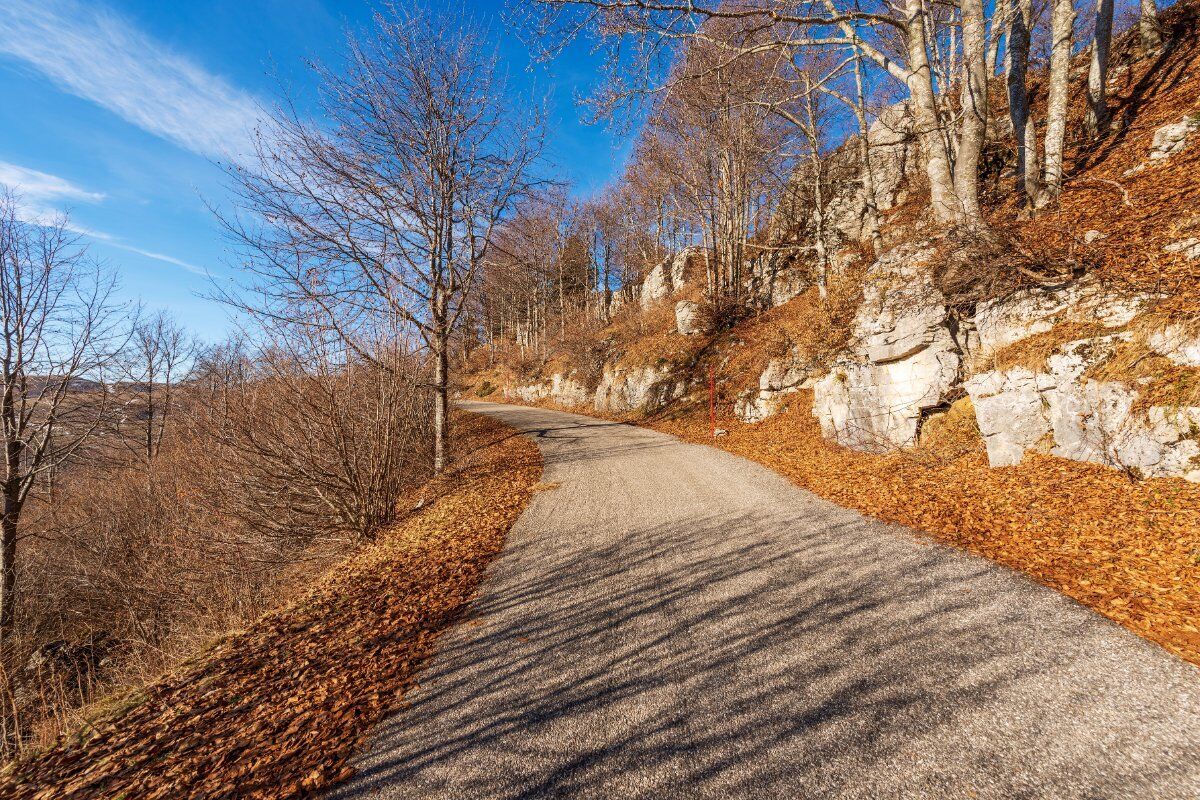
[947, 208]
[1062, 26]
[1097, 113]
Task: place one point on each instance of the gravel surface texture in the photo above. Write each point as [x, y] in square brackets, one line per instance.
[669, 620]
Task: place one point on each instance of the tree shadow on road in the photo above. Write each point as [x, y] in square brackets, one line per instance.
[703, 658]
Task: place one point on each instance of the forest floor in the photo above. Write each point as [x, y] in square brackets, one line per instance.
[276, 711]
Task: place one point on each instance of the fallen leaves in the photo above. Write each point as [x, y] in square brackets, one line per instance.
[277, 711]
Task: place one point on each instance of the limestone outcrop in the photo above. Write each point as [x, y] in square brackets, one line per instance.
[666, 278]
[690, 318]
[782, 377]
[624, 389]
[906, 360]
[1062, 411]
[1026, 312]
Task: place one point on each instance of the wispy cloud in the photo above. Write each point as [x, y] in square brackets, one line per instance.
[91, 52]
[39, 197]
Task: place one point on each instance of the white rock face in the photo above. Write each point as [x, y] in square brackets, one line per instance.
[783, 376]
[638, 388]
[1190, 248]
[657, 284]
[1177, 344]
[894, 157]
[1173, 138]
[689, 318]
[1010, 412]
[907, 359]
[529, 393]
[562, 389]
[567, 391]
[1082, 419]
[666, 278]
[1032, 311]
[774, 286]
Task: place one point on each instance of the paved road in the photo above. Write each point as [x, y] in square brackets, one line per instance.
[673, 621]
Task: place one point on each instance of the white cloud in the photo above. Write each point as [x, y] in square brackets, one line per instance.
[38, 196]
[42, 186]
[92, 53]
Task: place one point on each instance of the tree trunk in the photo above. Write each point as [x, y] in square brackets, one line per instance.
[1062, 26]
[441, 402]
[8, 571]
[871, 219]
[1033, 171]
[999, 31]
[1149, 29]
[974, 101]
[946, 206]
[1096, 120]
[1016, 66]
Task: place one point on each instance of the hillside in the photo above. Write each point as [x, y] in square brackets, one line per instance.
[1031, 393]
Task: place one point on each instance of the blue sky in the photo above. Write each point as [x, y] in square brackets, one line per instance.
[116, 110]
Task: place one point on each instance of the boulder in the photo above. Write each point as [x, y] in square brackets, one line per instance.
[1173, 138]
[1189, 248]
[690, 318]
[1061, 410]
[1031, 311]
[783, 376]
[906, 360]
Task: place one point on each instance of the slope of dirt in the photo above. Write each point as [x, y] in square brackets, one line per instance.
[1138, 206]
[277, 711]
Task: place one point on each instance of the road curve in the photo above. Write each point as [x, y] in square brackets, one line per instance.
[674, 621]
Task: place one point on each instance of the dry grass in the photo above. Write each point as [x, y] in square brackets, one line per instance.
[276, 711]
[1033, 351]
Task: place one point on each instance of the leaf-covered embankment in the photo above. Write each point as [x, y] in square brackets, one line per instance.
[278, 710]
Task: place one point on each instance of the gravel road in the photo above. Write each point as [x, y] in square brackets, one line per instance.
[674, 621]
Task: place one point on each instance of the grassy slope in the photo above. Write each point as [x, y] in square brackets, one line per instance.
[277, 711]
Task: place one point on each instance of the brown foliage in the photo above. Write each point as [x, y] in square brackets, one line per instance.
[277, 711]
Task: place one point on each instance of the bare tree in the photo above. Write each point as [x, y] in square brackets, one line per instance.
[60, 332]
[384, 218]
[159, 352]
[897, 39]
[1016, 65]
[316, 444]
